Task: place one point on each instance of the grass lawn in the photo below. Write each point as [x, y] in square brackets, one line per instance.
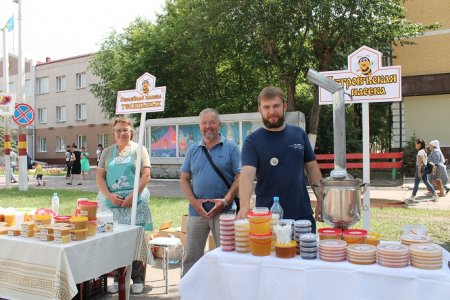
[386, 221]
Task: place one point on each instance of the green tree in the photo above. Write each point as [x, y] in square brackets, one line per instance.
[221, 53]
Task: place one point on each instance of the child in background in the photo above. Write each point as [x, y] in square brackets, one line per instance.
[39, 173]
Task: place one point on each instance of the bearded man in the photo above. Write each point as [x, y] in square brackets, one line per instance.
[277, 155]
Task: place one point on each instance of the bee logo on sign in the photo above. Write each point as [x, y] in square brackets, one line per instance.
[145, 98]
[366, 80]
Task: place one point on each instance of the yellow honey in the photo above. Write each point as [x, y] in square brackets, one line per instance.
[62, 239]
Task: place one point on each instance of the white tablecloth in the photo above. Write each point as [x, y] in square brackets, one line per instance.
[32, 269]
[231, 275]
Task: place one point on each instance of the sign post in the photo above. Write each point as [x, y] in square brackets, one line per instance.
[366, 81]
[145, 98]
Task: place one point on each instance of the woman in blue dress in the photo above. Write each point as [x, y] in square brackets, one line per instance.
[115, 180]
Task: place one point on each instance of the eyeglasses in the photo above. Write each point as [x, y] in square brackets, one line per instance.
[119, 131]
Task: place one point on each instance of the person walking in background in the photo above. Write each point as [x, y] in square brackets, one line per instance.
[13, 157]
[39, 174]
[439, 176]
[76, 165]
[208, 194]
[98, 152]
[68, 156]
[278, 155]
[85, 167]
[421, 162]
[115, 180]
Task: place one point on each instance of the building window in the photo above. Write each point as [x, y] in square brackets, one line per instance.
[42, 115]
[103, 139]
[42, 85]
[27, 88]
[42, 144]
[12, 87]
[81, 141]
[60, 144]
[60, 114]
[81, 80]
[81, 111]
[60, 84]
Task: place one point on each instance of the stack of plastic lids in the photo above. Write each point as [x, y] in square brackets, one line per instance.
[241, 240]
[409, 239]
[301, 227]
[361, 254]
[393, 255]
[226, 222]
[426, 256]
[308, 246]
[332, 250]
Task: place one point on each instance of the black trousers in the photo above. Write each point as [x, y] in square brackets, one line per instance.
[69, 168]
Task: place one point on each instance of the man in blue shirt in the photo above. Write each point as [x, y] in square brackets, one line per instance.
[277, 155]
[207, 193]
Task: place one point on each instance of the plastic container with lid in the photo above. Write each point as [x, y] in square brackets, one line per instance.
[373, 238]
[10, 219]
[259, 219]
[88, 209]
[42, 219]
[355, 236]
[286, 250]
[329, 233]
[78, 234]
[260, 244]
[78, 222]
[92, 227]
[61, 219]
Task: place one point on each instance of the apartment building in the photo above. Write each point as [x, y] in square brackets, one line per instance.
[13, 85]
[66, 111]
[426, 75]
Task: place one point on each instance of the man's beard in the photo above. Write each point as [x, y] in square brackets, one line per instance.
[271, 125]
[210, 136]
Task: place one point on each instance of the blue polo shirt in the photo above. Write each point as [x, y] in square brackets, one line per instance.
[279, 158]
[206, 184]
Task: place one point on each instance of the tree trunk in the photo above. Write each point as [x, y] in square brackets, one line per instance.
[291, 90]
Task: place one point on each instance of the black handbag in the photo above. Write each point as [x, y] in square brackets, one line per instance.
[213, 165]
[429, 168]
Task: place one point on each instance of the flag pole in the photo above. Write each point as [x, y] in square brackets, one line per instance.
[6, 118]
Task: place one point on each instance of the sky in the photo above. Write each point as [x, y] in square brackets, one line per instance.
[64, 28]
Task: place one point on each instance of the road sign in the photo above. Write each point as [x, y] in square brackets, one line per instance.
[23, 114]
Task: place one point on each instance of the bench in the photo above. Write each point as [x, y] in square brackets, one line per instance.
[386, 160]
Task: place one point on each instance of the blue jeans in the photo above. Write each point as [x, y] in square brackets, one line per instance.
[424, 179]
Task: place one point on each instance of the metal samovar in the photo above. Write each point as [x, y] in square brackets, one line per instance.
[341, 194]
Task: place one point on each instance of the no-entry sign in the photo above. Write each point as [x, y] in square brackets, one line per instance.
[23, 114]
